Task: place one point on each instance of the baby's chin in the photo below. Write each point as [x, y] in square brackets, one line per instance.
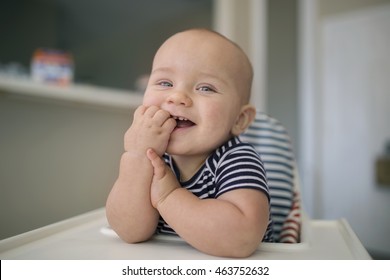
[177, 149]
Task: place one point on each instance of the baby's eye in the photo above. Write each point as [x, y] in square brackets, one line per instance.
[206, 89]
[165, 84]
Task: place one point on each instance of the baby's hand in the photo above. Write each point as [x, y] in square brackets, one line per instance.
[164, 181]
[151, 128]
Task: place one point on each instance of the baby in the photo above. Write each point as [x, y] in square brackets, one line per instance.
[184, 170]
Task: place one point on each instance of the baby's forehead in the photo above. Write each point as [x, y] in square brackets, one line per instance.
[198, 33]
[206, 43]
[204, 36]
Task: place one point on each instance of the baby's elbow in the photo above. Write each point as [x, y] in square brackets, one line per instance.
[248, 243]
[246, 249]
[131, 234]
[242, 247]
[236, 252]
[134, 237]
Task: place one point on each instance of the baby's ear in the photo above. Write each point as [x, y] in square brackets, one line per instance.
[244, 119]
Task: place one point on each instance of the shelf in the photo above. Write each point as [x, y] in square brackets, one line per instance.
[80, 94]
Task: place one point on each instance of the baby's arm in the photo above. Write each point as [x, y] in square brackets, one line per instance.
[231, 226]
[128, 208]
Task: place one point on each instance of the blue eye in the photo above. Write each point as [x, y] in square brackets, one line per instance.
[165, 84]
[206, 89]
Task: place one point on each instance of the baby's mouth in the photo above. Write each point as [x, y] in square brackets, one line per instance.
[182, 122]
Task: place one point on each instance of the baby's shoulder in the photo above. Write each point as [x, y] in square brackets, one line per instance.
[234, 150]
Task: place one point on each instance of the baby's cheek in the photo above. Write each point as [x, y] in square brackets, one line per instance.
[151, 100]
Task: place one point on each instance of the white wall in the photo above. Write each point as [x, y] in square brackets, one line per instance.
[57, 160]
[355, 115]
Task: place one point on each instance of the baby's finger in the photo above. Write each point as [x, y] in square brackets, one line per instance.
[161, 117]
[157, 162]
[139, 111]
[170, 124]
[151, 111]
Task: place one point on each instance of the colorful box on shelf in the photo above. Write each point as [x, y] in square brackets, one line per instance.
[52, 66]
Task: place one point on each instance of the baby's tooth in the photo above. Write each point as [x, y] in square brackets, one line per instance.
[180, 118]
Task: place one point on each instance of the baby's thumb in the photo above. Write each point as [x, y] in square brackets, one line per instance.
[157, 162]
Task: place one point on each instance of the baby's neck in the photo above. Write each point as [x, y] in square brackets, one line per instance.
[188, 165]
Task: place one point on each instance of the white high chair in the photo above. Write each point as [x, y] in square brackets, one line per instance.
[270, 139]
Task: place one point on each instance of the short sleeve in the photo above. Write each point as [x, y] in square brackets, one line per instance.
[241, 168]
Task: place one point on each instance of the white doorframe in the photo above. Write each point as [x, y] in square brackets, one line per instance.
[309, 100]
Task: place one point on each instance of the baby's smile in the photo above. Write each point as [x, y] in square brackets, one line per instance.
[182, 122]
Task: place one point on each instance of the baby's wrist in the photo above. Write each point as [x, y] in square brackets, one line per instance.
[135, 154]
[160, 203]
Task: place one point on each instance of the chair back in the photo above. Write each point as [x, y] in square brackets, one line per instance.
[271, 140]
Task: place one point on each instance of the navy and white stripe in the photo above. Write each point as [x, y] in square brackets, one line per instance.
[234, 165]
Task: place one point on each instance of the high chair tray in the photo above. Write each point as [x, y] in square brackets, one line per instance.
[88, 236]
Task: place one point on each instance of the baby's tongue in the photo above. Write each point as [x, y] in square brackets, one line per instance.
[182, 124]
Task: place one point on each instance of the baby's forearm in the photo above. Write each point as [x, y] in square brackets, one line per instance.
[217, 226]
[128, 208]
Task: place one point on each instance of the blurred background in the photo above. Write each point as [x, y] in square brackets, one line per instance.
[322, 68]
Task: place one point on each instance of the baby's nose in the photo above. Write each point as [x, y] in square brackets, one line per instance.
[179, 98]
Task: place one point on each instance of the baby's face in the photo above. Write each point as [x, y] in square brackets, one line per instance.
[196, 78]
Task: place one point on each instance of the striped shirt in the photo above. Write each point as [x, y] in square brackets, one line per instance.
[234, 165]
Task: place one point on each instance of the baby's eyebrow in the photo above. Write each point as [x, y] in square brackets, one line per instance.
[214, 77]
[203, 74]
[163, 70]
